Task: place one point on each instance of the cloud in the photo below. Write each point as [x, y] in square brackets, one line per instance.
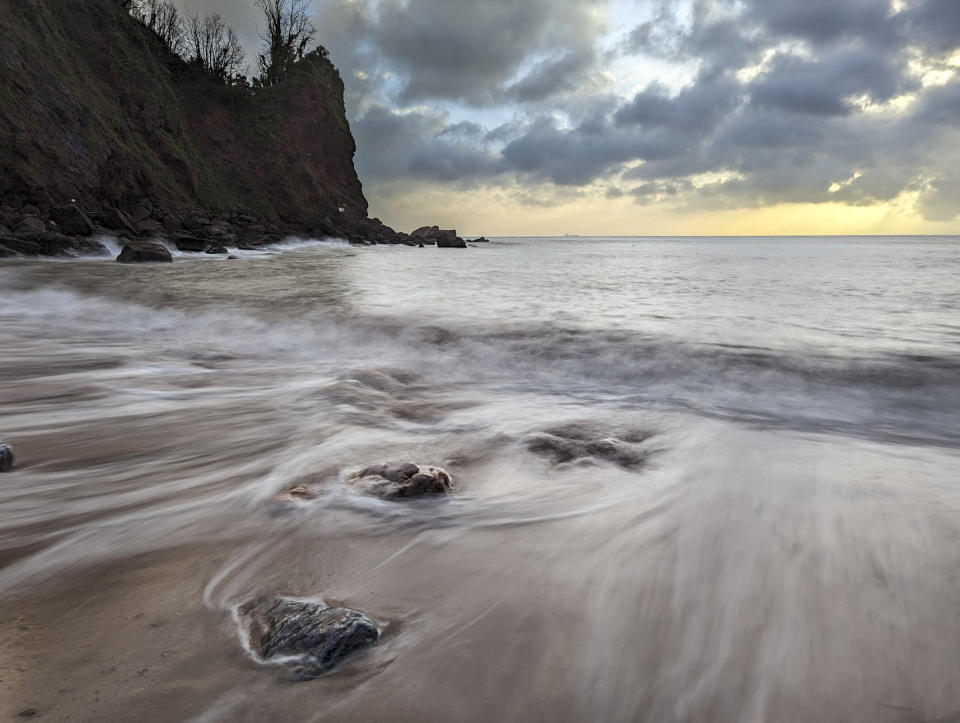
[697, 104]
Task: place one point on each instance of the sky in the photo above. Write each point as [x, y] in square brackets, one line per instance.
[649, 117]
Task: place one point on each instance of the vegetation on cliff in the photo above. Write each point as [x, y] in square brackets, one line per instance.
[97, 107]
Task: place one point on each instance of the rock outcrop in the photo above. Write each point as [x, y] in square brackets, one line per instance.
[396, 481]
[71, 220]
[441, 238]
[94, 108]
[142, 252]
[319, 636]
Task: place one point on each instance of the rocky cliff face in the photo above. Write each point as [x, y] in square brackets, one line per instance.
[93, 108]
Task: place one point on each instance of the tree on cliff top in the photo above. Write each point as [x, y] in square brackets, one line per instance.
[286, 36]
[214, 46]
[163, 18]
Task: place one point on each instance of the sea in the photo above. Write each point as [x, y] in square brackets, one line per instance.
[696, 479]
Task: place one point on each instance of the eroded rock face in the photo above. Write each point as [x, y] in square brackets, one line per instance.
[396, 481]
[6, 457]
[72, 220]
[320, 636]
[140, 252]
[21, 246]
[574, 442]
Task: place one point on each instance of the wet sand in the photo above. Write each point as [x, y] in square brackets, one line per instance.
[762, 554]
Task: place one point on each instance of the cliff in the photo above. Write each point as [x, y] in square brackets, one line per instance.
[94, 108]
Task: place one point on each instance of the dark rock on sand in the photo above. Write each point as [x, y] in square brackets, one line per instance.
[321, 636]
[6, 457]
[139, 252]
[395, 481]
[71, 220]
[573, 443]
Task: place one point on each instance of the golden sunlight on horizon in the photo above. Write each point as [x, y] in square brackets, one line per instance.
[497, 213]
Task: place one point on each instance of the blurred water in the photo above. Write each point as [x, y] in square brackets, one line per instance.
[781, 542]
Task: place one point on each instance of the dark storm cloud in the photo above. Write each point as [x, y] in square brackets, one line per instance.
[795, 129]
[421, 146]
[696, 109]
[827, 84]
[473, 52]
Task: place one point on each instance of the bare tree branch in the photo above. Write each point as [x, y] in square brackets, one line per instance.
[214, 46]
[286, 36]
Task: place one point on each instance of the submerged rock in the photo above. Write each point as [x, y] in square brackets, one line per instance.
[573, 443]
[320, 636]
[394, 481]
[139, 252]
[297, 493]
[6, 457]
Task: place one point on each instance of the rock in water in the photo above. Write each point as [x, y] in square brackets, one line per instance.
[139, 252]
[449, 240]
[393, 481]
[319, 635]
[6, 457]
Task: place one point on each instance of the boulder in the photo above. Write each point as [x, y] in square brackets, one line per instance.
[443, 238]
[72, 220]
[89, 247]
[188, 242]
[215, 248]
[149, 225]
[117, 220]
[320, 637]
[51, 243]
[450, 240]
[481, 240]
[6, 457]
[30, 225]
[139, 252]
[142, 211]
[577, 443]
[425, 232]
[21, 246]
[6, 253]
[395, 481]
[171, 224]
